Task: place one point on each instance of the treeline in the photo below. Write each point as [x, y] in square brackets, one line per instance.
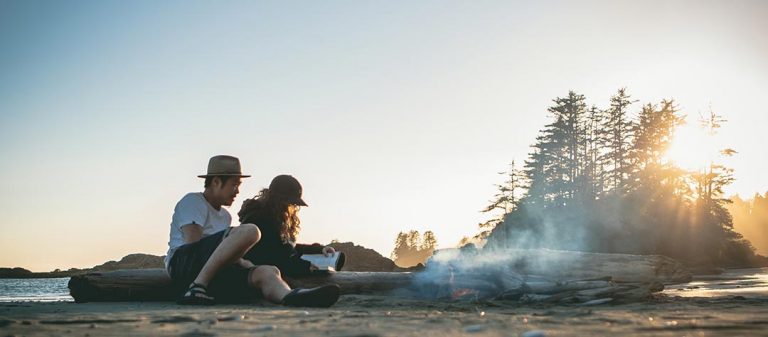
[750, 218]
[597, 180]
[412, 248]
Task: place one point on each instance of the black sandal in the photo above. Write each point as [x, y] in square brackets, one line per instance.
[321, 297]
[197, 294]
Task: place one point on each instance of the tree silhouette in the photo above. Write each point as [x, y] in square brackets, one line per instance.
[715, 175]
[411, 248]
[616, 138]
[653, 136]
[750, 217]
[504, 202]
[598, 180]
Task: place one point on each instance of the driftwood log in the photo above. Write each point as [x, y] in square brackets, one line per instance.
[527, 275]
[620, 267]
[568, 265]
[155, 284]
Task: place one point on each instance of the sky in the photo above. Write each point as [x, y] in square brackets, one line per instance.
[394, 115]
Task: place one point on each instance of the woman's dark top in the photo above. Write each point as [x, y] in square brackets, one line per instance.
[272, 249]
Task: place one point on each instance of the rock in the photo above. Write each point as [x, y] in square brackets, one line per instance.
[133, 261]
[264, 328]
[597, 301]
[360, 258]
[534, 333]
[475, 328]
[176, 319]
[14, 273]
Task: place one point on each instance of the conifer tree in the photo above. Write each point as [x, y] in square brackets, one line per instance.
[504, 202]
[594, 162]
[537, 172]
[715, 175]
[411, 248]
[566, 139]
[429, 242]
[616, 138]
[652, 137]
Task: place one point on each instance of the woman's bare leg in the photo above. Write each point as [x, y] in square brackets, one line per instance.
[268, 280]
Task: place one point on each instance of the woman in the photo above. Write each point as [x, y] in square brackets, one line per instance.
[275, 212]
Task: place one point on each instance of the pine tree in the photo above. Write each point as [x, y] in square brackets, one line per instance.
[653, 135]
[537, 173]
[505, 201]
[411, 248]
[429, 242]
[401, 246]
[566, 139]
[594, 162]
[715, 176]
[616, 138]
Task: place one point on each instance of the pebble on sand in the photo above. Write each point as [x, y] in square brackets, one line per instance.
[534, 333]
[265, 327]
[475, 328]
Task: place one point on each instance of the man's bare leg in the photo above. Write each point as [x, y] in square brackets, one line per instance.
[232, 248]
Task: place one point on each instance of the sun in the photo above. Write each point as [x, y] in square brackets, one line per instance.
[692, 148]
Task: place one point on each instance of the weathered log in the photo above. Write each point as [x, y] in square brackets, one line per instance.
[122, 285]
[565, 265]
[620, 267]
[545, 288]
[155, 285]
[357, 282]
[508, 274]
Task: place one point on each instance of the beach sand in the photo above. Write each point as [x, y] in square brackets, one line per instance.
[732, 304]
[358, 315]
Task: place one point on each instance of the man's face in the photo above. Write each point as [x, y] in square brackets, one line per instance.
[226, 193]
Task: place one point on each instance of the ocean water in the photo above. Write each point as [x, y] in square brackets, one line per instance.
[35, 290]
[751, 283]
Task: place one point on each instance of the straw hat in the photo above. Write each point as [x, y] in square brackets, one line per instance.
[224, 166]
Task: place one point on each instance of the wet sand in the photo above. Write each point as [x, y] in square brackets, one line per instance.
[734, 304]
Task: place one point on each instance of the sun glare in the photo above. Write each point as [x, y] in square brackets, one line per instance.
[692, 148]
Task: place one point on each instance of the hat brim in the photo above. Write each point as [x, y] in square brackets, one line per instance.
[223, 175]
[298, 202]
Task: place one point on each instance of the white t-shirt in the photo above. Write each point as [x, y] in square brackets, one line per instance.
[194, 209]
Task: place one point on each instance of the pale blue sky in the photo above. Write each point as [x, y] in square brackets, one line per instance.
[394, 115]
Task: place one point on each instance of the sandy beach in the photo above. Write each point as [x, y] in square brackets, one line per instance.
[387, 316]
[732, 304]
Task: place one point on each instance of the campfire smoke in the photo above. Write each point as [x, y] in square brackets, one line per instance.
[539, 275]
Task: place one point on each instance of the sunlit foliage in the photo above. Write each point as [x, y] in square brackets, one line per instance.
[412, 248]
[600, 180]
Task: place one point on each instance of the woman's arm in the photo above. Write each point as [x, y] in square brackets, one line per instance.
[314, 248]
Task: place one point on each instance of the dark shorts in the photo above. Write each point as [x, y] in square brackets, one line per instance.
[229, 285]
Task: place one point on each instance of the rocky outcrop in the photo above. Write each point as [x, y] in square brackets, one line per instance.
[359, 258]
[131, 261]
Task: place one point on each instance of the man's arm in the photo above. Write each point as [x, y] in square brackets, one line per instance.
[192, 232]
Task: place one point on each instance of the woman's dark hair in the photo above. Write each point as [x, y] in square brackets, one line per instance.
[277, 207]
[209, 180]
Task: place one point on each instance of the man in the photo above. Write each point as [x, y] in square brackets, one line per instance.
[204, 252]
